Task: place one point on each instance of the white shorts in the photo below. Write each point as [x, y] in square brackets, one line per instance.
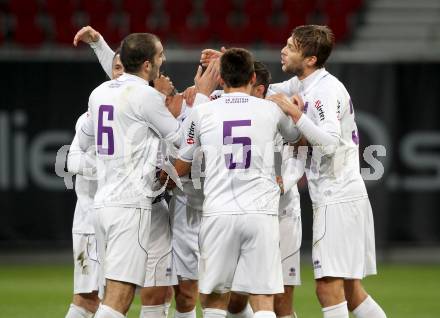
[290, 244]
[125, 231]
[240, 253]
[186, 227]
[86, 265]
[160, 254]
[343, 240]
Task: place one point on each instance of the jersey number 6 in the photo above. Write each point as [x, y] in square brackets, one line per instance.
[229, 140]
[105, 130]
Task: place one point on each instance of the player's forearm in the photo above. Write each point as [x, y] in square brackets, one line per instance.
[85, 141]
[182, 167]
[315, 135]
[104, 54]
[78, 163]
[175, 138]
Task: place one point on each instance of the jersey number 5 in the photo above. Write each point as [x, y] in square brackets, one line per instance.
[105, 130]
[229, 140]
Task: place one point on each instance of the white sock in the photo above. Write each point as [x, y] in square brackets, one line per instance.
[78, 312]
[157, 311]
[167, 308]
[369, 309]
[214, 313]
[336, 311]
[264, 314]
[105, 311]
[189, 314]
[245, 313]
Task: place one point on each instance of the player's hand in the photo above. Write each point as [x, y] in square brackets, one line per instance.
[283, 102]
[297, 101]
[164, 179]
[190, 95]
[207, 82]
[209, 54]
[290, 107]
[87, 35]
[164, 85]
[280, 183]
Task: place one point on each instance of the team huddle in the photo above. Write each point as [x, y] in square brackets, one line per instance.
[194, 195]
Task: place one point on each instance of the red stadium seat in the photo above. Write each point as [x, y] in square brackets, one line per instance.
[298, 11]
[258, 9]
[20, 7]
[138, 22]
[138, 12]
[217, 13]
[233, 35]
[62, 15]
[99, 12]
[194, 35]
[337, 13]
[178, 12]
[215, 8]
[276, 35]
[26, 32]
[141, 7]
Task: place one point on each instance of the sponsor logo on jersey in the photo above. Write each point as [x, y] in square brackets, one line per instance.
[318, 106]
[316, 264]
[306, 106]
[292, 271]
[190, 139]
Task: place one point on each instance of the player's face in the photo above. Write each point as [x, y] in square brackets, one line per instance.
[117, 67]
[292, 60]
[158, 59]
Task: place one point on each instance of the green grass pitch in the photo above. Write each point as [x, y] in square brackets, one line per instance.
[404, 291]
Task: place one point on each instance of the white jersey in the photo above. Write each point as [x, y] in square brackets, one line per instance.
[237, 133]
[104, 54]
[127, 118]
[290, 87]
[83, 164]
[291, 171]
[333, 173]
[193, 193]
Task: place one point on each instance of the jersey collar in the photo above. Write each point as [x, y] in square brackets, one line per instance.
[234, 94]
[310, 81]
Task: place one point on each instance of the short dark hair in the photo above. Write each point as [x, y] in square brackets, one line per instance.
[137, 48]
[117, 52]
[263, 76]
[236, 67]
[314, 40]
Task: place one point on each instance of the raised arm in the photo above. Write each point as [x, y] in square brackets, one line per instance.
[102, 51]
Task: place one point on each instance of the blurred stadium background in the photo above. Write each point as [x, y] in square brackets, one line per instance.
[387, 55]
